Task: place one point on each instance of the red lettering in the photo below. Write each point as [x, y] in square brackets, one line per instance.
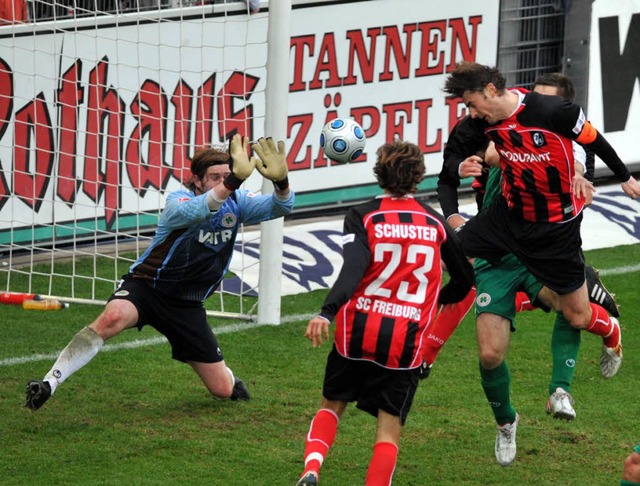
[204, 112]
[33, 119]
[182, 100]
[105, 120]
[149, 108]
[402, 56]
[69, 97]
[459, 37]
[6, 108]
[230, 120]
[457, 111]
[303, 123]
[358, 49]
[369, 113]
[327, 62]
[298, 45]
[397, 114]
[432, 34]
[422, 106]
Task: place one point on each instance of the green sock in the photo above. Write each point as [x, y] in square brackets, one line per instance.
[628, 483]
[565, 342]
[496, 384]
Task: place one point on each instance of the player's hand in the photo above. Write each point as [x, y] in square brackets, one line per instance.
[471, 167]
[631, 188]
[456, 221]
[317, 329]
[241, 165]
[272, 163]
[583, 189]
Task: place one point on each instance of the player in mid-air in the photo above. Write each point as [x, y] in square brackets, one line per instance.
[186, 261]
[386, 294]
[537, 217]
[505, 279]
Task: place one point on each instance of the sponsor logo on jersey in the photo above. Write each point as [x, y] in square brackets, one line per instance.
[121, 293]
[483, 300]
[538, 139]
[215, 237]
[228, 220]
[525, 157]
[183, 199]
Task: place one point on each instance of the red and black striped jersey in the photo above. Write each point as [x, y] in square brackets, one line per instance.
[388, 289]
[536, 157]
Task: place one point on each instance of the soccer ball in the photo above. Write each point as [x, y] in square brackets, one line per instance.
[342, 140]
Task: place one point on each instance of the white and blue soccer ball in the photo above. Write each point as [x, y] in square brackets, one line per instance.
[342, 140]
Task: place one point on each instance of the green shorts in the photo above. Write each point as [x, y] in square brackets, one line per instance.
[497, 285]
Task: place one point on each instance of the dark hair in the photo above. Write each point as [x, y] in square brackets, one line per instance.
[471, 76]
[399, 167]
[203, 158]
[560, 81]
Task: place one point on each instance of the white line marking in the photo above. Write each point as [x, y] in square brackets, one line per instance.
[138, 343]
[236, 327]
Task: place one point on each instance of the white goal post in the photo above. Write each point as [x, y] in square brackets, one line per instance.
[101, 109]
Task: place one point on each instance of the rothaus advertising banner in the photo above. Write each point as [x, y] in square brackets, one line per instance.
[100, 117]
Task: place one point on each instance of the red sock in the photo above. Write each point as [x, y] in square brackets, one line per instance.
[443, 326]
[523, 303]
[382, 465]
[322, 433]
[602, 325]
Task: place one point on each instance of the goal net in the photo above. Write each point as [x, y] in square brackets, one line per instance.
[102, 104]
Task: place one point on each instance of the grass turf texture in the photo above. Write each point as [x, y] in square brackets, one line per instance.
[134, 416]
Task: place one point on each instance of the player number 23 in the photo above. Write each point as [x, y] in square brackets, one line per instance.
[377, 287]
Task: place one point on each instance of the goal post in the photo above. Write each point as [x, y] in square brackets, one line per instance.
[99, 118]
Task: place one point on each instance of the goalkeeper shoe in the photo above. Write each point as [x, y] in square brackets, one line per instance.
[309, 479]
[611, 357]
[38, 392]
[506, 442]
[240, 391]
[598, 293]
[560, 405]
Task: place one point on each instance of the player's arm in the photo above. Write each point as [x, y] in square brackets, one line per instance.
[593, 140]
[356, 255]
[582, 187]
[459, 161]
[570, 121]
[461, 276]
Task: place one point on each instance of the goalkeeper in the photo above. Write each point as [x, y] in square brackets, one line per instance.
[186, 261]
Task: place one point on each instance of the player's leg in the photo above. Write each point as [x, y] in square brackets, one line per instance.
[220, 380]
[565, 343]
[337, 391]
[385, 450]
[631, 471]
[582, 314]
[446, 322]
[117, 315]
[320, 438]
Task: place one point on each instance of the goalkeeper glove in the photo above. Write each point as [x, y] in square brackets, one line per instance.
[240, 164]
[272, 163]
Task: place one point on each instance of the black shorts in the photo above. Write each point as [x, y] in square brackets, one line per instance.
[552, 252]
[372, 386]
[183, 323]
